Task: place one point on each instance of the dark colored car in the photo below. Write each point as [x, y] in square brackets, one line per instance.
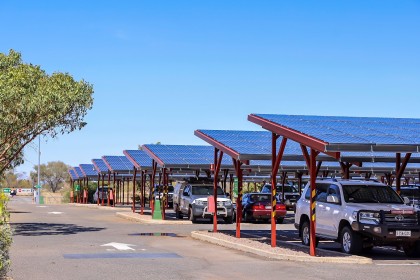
[291, 194]
[257, 206]
[412, 192]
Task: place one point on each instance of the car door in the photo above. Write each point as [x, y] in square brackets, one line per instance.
[321, 216]
[331, 212]
[185, 199]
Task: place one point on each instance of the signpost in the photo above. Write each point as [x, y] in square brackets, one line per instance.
[6, 190]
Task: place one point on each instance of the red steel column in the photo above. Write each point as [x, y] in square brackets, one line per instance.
[275, 164]
[102, 190]
[134, 189]
[237, 164]
[312, 174]
[109, 185]
[218, 155]
[152, 186]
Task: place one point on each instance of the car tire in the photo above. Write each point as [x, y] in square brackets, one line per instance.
[412, 250]
[191, 216]
[305, 233]
[246, 218]
[351, 241]
[280, 220]
[228, 220]
[178, 213]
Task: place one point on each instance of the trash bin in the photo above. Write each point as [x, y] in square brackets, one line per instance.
[41, 199]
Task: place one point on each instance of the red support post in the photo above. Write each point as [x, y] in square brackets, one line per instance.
[99, 182]
[109, 185]
[142, 192]
[152, 186]
[237, 164]
[102, 190]
[312, 226]
[218, 156]
[134, 189]
[275, 162]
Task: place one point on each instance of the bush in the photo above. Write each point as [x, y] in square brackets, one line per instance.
[5, 237]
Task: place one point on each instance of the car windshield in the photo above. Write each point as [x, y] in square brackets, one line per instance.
[370, 194]
[287, 189]
[260, 198]
[205, 190]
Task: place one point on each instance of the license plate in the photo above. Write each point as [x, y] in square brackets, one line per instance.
[403, 233]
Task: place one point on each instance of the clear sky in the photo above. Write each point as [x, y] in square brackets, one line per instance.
[162, 69]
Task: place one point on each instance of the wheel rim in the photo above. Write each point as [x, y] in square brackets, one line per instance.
[305, 235]
[346, 242]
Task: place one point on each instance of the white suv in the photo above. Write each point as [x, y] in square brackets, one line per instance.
[359, 215]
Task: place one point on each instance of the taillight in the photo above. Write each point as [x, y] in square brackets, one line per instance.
[280, 207]
[258, 207]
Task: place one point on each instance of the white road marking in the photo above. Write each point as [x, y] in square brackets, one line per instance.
[55, 213]
[398, 264]
[42, 206]
[120, 246]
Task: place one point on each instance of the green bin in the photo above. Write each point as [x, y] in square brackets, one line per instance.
[41, 200]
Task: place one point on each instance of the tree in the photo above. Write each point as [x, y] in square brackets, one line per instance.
[34, 103]
[9, 180]
[53, 174]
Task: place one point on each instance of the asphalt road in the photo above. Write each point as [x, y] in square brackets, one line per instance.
[67, 242]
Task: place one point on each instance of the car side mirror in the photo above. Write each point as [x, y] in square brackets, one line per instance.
[406, 200]
[185, 194]
[333, 199]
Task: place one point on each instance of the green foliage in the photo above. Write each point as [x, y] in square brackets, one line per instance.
[5, 237]
[53, 174]
[33, 103]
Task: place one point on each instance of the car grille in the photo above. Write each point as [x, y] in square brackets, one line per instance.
[401, 219]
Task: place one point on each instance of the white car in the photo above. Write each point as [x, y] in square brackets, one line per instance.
[359, 215]
[101, 194]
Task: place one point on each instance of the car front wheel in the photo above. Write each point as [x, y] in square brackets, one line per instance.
[191, 216]
[351, 241]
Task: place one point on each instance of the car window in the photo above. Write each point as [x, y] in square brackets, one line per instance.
[321, 192]
[287, 189]
[205, 190]
[370, 194]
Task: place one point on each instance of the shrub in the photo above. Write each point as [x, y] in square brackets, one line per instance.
[5, 236]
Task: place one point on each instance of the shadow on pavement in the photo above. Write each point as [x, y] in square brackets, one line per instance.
[41, 229]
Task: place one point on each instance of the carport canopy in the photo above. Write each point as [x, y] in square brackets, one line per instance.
[336, 135]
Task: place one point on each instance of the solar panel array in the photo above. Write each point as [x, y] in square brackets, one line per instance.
[73, 174]
[88, 170]
[78, 172]
[352, 130]
[140, 158]
[185, 155]
[100, 165]
[118, 163]
[251, 142]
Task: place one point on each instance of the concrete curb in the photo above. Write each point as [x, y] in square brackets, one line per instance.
[95, 206]
[266, 253]
[147, 219]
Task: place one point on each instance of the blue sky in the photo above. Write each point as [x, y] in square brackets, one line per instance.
[162, 69]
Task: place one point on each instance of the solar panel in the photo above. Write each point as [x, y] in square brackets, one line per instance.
[73, 174]
[88, 170]
[186, 156]
[118, 163]
[78, 172]
[100, 165]
[352, 130]
[140, 158]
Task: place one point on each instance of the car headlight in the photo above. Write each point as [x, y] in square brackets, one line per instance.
[198, 202]
[227, 203]
[372, 218]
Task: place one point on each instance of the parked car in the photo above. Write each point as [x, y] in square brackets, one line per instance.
[190, 199]
[291, 194]
[159, 194]
[359, 215]
[257, 206]
[100, 194]
[412, 192]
